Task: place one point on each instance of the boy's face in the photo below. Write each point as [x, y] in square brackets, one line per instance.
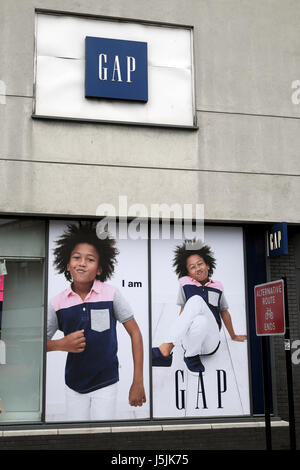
[197, 268]
[84, 263]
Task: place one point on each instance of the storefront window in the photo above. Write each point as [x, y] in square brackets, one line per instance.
[21, 319]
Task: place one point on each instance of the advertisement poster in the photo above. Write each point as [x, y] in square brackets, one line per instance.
[223, 388]
[73, 378]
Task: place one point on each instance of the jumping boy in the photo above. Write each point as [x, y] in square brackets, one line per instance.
[203, 306]
[87, 313]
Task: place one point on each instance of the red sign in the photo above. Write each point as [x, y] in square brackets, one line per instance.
[269, 308]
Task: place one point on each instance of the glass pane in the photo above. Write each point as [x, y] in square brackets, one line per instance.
[22, 339]
[22, 238]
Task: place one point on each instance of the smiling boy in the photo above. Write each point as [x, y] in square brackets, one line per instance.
[203, 306]
[87, 313]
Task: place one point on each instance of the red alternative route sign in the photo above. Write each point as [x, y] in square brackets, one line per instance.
[269, 308]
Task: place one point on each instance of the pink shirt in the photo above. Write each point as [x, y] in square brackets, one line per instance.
[181, 299]
[211, 283]
[69, 298]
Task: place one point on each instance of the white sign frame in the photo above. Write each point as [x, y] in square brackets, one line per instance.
[60, 70]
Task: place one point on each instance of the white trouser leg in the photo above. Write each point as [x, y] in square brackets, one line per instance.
[103, 403]
[202, 337]
[78, 405]
[98, 405]
[195, 328]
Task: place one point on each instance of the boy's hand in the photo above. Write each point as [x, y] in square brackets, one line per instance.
[239, 338]
[74, 342]
[137, 395]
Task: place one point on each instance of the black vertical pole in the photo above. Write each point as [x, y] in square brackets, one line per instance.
[264, 345]
[289, 372]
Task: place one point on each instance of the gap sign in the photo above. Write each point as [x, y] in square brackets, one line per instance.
[269, 308]
[278, 240]
[116, 69]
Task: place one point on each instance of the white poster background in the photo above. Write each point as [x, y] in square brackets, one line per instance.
[231, 357]
[132, 266]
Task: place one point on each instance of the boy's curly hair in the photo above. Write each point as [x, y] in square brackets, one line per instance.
[85, 232]
[182, 253]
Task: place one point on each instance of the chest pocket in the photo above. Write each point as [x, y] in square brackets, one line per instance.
[100, 320]
[213, 298]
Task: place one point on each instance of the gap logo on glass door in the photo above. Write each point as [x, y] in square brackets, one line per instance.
[116, 69]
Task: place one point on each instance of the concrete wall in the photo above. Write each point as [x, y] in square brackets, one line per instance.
[242, 163]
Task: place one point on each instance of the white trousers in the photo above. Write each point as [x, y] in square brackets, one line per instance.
[195, 329]
[98, 405]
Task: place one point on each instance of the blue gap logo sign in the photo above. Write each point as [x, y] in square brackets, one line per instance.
[278, 240]
[116, 69]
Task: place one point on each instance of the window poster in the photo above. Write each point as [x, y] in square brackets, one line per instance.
[97, 326]
[199, 356]
[122, 311]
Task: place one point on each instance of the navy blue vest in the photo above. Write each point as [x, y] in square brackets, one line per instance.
[211, 295]
[97, 366]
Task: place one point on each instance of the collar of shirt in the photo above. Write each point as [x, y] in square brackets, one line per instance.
[209, 283]
[96, 287]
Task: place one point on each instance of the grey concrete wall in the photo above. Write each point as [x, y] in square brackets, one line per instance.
[243, 161]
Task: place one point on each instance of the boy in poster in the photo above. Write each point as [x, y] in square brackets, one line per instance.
[203, 306]
[87, 312]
